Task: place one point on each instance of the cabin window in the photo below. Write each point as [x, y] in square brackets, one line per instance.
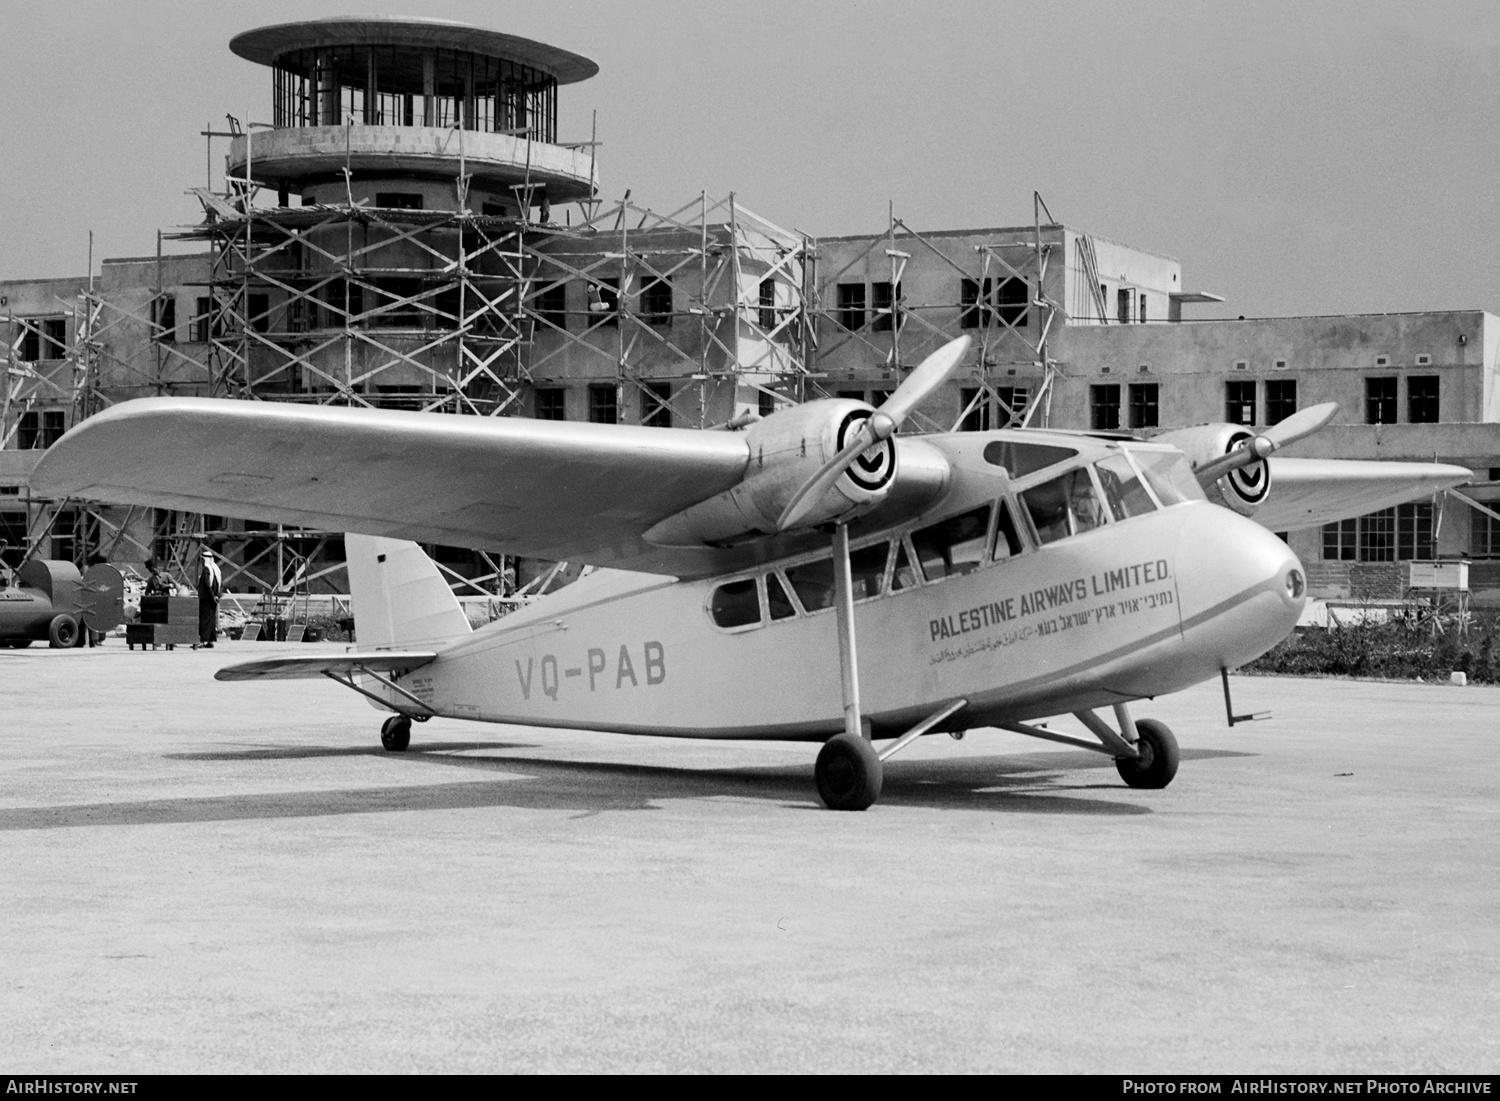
[777, 601]
[1169, 476]
[736, 604]
[813, 584]
[903, 576]
[1123, 490]
[1007, 539]
[867, 570]
[1020, 458]
[954, 546]
[1065, 506]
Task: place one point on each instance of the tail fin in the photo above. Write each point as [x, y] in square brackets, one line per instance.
[400, 598]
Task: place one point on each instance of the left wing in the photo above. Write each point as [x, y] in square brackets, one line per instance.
[1310, 492]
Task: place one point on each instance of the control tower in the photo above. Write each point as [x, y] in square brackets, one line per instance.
[413, 107]
[370, 247]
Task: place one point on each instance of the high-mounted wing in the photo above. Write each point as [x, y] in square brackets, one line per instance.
[547, 489]
[1310, 492]
[657, 500]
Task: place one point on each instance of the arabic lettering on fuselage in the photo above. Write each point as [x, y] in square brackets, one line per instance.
[1037, 601]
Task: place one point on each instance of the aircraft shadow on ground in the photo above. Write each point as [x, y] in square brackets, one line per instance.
[1008, 784]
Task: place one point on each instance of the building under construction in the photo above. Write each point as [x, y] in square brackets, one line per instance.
[410, 232]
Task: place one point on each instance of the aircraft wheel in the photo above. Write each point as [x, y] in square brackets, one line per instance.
[848, 773]
[395, 733]
[62, 632]
[1157, 764]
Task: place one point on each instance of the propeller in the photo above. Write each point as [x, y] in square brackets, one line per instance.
[881, 425]
[1300, 424]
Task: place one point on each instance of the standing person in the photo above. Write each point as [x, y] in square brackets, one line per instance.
[210, 585]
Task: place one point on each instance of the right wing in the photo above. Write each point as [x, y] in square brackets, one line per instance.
[1310, 492]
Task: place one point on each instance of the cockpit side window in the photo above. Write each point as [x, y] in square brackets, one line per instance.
[777, 601]
[867, 570]
[1123, 490]
[1007, 538]
[736, 604]
[1169, 476]
[813, 584]
[953, 546]
[1066, 505]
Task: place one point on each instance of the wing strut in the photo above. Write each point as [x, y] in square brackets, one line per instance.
[843, 586]
[348, 682]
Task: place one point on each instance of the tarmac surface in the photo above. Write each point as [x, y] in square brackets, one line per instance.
[235, 877]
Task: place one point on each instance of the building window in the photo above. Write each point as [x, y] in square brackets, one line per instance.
[1144, 405]
[1239, 402]
[395, 307]
[1122, 305]
[974, 305]
[399, 200]
[1104, 407]
[1341, 541]
[1424, 361]
[1281, 399]
[1380, 401]
[977, 404]
[260, 313]
[1485, 541]
[851, 313]
[164, 319]
[1012, 404]
[550, 403]
[1142, 315]
[765, 314]
[37, 430]
[604, 301]
[766, 404]
[656, 404]
[551, 306]
[203, 320]
[31, 344]
[1396, 534]
[1422, 399]
[55, 337]
[656, 301]
[1242, 365]
[1382, 361]
[603, 405]
[886, 308]
[1011, 299]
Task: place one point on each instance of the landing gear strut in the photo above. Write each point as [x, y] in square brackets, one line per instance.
[395, 733]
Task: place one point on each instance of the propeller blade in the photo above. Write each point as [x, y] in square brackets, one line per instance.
[931, 373]
[1298, 426]
[884, 423]
[1302, 423]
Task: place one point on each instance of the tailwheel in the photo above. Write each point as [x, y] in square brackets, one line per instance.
[395, 733]
[848, 773]
[1158, 756]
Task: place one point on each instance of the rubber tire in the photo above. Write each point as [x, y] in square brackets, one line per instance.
[848, 773]
[395, 733]
[1159, 758]
[62, 632]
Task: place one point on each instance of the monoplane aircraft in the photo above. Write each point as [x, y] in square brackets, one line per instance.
[990, 578]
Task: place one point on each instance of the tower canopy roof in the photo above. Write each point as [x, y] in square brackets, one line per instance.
[264, 44]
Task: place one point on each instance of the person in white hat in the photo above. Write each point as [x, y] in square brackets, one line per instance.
[210, 585]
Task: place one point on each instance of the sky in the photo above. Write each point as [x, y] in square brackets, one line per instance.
[1297, 158]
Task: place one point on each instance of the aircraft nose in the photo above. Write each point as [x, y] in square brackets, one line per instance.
[1240, 587]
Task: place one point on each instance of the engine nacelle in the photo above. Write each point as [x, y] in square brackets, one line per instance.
[1243, 490]
[785, 450]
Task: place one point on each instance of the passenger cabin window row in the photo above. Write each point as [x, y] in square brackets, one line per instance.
[1117, 487]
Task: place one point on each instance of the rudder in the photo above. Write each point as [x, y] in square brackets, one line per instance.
[400, 597]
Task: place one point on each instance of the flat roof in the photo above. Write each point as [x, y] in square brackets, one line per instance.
[264, 44]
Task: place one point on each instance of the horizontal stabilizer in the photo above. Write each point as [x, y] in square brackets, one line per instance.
[344, 665]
